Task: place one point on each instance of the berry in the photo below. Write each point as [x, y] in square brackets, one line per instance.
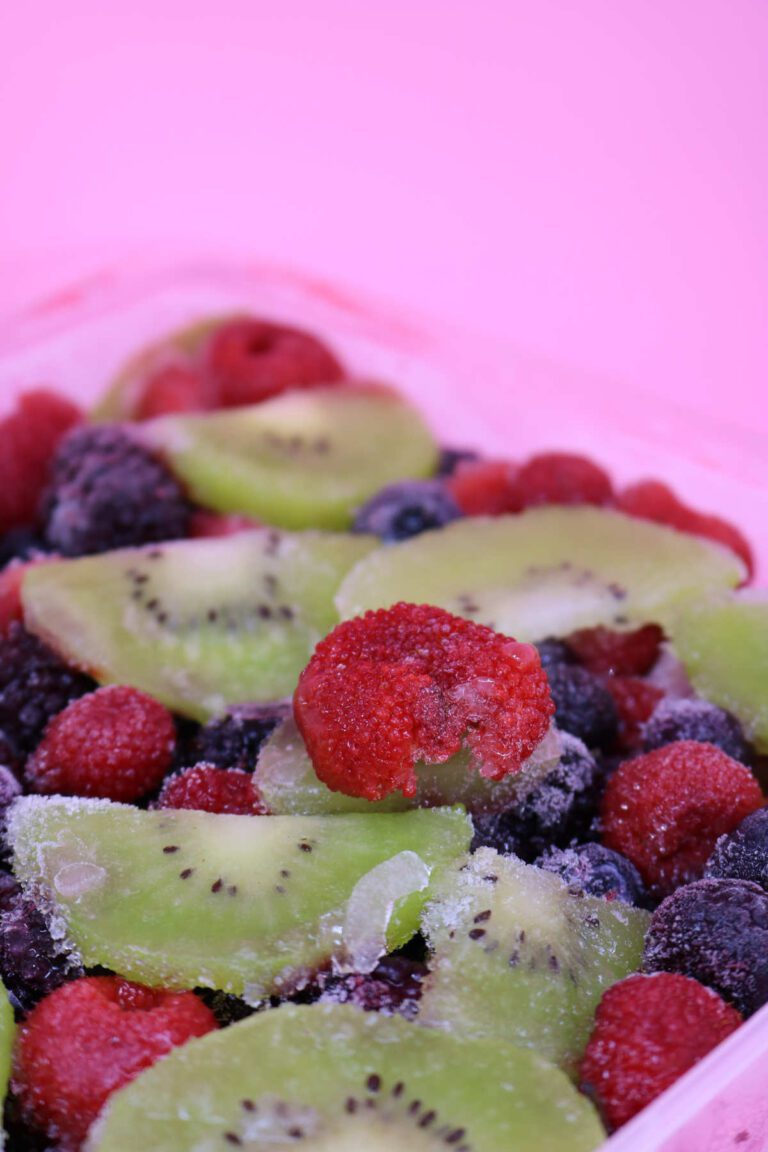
[234, 740]
[602, 650]
[451, 458]
[695, 720]
[31, 964]
[227, 1008]
[649, 1030]
[20, 544]
[552, 651]
[402, 510]
[562, 478]
[209, 789]
[108, 491]
[28, 439]
[34, 686]
[116, 743]
[485, 487]
[174, 388]
[11, 578]
[635, 700]
[743, 853]
[583, 706]
[10, 890]
[595, 870]
[717, 932]
[204, 524]
[411, 683]
[666, 809]
[91, 1037]
[253, 360]
[394, 986]
[10, 788]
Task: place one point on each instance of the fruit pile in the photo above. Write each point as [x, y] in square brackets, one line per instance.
[355, 792]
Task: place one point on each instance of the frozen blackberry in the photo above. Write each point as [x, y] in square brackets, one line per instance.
[34, 686]
[743, 853]
[10, 788]
[595, 870]
[30, 963]
[402, 510]
[227, 1009]
[394, 986]
[20, 544]
[10, 890]
[695, 720]
[583, 706]
[717, 932]
[450, 458]
[552, 652]
[107, 491]
[234, 740]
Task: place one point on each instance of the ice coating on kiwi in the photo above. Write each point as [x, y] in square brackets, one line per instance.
[302, 460]
[199, 624]
[517, 956]
[7, 1031]
[546, 572]
[247, 904]
[334, 1079]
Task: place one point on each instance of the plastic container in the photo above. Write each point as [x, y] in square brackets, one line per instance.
[477, 393]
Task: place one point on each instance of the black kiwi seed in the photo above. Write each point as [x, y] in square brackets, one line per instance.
[217, 885]
[185, 875]
[373, 1083]
[170, 848]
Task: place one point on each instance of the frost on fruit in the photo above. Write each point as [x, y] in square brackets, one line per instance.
[370, 908]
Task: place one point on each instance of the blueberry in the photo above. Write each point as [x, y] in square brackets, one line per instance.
[394, 986]
[596, 871]
[583, 706]
[743, 853]
[234, 740]
[694, 720]
[406, 509]
[450, 458]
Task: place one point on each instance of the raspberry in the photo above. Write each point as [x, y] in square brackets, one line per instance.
[204, 525]
[394, 986]
[173, 389]
[411, 683]
[116, 743]
[743, 853]
[717, 932]
[562, 478]
[666, 809]
[402, 510]
[108, 491]
[695, 720]
[11, 579]
[595, 870]
[652, 500]
[30, 963]
[209, 789]
[253, 360]
[635, 700]
[28, 439]
[619, 653]
[649, 1030]
[451, 458]
[583, 706]
[234, 740]
[485, 487]
[91, 1037]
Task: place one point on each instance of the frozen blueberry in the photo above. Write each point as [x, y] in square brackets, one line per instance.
[743, 853]
[596, 871]
[552, 652]
[30, 963]
[694, 720]
[394, 986]
[234, 740]
[406, 509]
[583, 706]
[450, 458]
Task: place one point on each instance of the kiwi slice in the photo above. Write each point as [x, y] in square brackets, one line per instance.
[7, 1031]
[302, 460]
[545, 572]
[334, 1079]
[199, 624]
[247, 904]
[724, 647]
[518, 957]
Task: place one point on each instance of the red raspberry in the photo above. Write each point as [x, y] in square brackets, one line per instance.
[635, 701]
[116, 743]
[485, 487]
[91, 1037]
[28, 439]
[174, 388]
[652, 500]
[204, 525]
[666, 810]
[253, 360]
[411, 683]
[11, 579]
[649, 1030]
[562, 478]
[207, 788]
[622, 653]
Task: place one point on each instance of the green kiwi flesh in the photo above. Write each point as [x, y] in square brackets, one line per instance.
[302, 460]
[199, 624]
[247, 904]
[335, 1079]
[545, 572]
[518, 957]
[7, 1032]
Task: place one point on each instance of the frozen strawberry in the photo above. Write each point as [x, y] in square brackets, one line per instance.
[89, 1038]
[665, 810]
[562, 478]
[635, 701]
[28, 438]
[411, 683]
[174, 388]
[621, 653]
[210, 789]
[485, 487]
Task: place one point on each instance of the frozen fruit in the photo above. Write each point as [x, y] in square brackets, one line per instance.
[28, 438]
[665, 810]
[7, 1030]
[649, 1030]
[234, 740]
[562, 478]
[552, 652]
[583, 705]
[90, 1038]
[406, 509]
[414, 683]
[717, 932]
[117, 743]
[635, 701]
[206, 524]
[32, 964]
[172, 389]
[604, 650]
[694, 720]
[108, 491]
[394, 985]
[20, 544]
[596, 871]
[11, 579]
[743, 853]
[485, 487]
[210, 789]
[451, 458]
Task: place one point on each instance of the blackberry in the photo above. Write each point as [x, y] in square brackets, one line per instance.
[234, 740]
[394, 986]
[450, 458]
[552, 652]
[20, 544]
[108, 491]
[743, 853]
[34, 686]
[595, 870]
[583, 706]
[695, 720]
[30, 963]
[717, 932]
[406, 509]
[10, 890]
[227, 1009]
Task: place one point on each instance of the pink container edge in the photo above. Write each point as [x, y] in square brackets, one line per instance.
[75, 340]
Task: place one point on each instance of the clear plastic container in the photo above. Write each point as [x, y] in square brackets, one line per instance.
[477, 393]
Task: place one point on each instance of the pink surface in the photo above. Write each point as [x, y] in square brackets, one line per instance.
[587, 179]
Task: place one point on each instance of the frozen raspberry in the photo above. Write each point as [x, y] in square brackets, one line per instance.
[552, 652]
[652, 500]
[717, 932]
[635, 700]
[411, 683]
[394, 986]
[234, 740]
[602, 650]
[451, 458]
[666, 809]
[402, 510]
[108, 491]
[253, 360]
[583, 706]
[485, 487]
[562, 478]
[175, 388]
[11, 579]
[695, 720]
[204, 525]
[210, 789]
[91, 1037]
[649, 1030]
[28, 439]
[743, 853]
[30, 963]
[596, 870]
[116, 743]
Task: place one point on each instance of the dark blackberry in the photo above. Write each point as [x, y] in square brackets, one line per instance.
[583, 706]
[10, 788]
[406, 509]
[234, 740]
[20, 544]
[596, 871]
[108, 491]
[394, 986]
[19, 1136]
[695, 720]
[227, 1009]
[743, 853]
[450, 458]
[552, 652]
[30, 963]
[10, 890]
[717, 932]
[34, 686]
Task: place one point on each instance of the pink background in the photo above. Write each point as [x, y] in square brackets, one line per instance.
[586, 177]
